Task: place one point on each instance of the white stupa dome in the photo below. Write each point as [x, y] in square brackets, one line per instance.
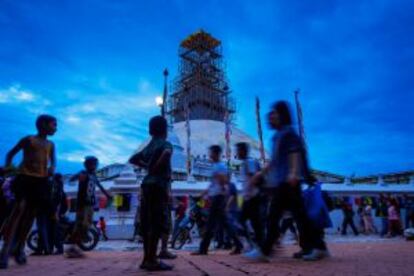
[179, 158]
[204, 133]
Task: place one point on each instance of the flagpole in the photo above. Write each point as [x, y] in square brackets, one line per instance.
[300, 118]
[297, 112]
[227, 133]
[188, 130]
[164, 95]
[260, 131]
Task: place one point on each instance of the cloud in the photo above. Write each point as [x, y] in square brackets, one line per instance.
[97, 137]
[353, 61]
[109, 126]
[15, 94]
[114, 103]
[33, 102]
[71, 119]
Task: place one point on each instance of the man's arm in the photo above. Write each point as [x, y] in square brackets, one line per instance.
[266, 168]
[230, 201]
[233, 196]
[103, 190]
[52, 158]
[251, 172]
[295, 161]
[294, 147]
[63, 205]
[82, 180]
[164, 158]
[19, 146]
[222, 179]
[136, 160]
[257, 177]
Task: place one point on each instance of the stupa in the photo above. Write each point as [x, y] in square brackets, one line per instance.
[200, 108]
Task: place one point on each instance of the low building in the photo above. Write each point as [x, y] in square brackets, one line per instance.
[120, 214]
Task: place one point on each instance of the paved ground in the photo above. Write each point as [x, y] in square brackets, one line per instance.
[377, 258]
[124, 245]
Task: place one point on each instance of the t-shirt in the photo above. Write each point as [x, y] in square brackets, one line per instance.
[368, 211]
[393, 213]
[249, 167]
[150, 155]
[102, 224]
[87, 187]
[180, 211]
[36, 156]
[285, 142]
[382, 210]
[348, 211]
[215, 189]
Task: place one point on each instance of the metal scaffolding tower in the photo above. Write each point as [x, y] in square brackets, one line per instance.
[201, 86]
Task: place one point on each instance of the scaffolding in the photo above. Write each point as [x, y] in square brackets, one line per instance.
[201, 85]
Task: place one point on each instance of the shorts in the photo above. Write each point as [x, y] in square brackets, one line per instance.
[84, 216]
[155, 216]
[84, 220]
[35, 190]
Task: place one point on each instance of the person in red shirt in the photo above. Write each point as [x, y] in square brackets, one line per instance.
[102, 226]
[180, 213]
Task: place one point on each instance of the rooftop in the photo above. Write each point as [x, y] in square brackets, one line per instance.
[200, 40]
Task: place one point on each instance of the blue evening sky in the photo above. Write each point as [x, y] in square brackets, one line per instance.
[97, 65]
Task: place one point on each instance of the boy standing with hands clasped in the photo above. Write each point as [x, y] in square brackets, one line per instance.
[155, 188]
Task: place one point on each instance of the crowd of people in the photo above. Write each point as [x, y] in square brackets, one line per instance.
[387, 209]
[268, 193]
[273, 199]
[36, 192]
